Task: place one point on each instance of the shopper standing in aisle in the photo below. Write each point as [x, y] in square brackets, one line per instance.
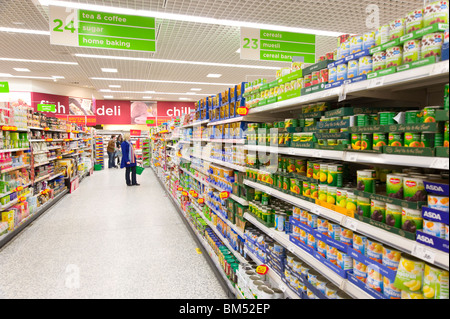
[129, 161]
[118, 153]
[111, 149]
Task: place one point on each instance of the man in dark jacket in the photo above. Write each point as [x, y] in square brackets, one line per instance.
[111, 149]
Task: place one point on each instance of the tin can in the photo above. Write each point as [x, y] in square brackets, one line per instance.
[311, 241]
[315, 76]
[363, 206]
[366, 180]
[334, 231]
[307, 80]
[360, 243]
[382, 35]
[374, 250]
[360, 270]
[395, 139]
[435, 283]
[414, 20]
[412, 140]
[341, 197]
[314, 190]
[413, 117]
[410, 275]
[334, 175]
[351, 201]
[391, 258]
[342, 72]
[379, 140]
[331, 195]
[331, 291]
[323, 173]
[389, 289]
[412, 50]
[366, 141]
[323, 189]
[429, 114]
[414, 189]
[374, 278]
[304, 215]
[306, 189]
[387, 118]
[322, 226]
[397, 29]
[438, 202]
[356, 44]
[322, 248]
[316, 170]
[368, 40]
[378, 210]
[332, 254]
[346, 236]
[344, 261]
[332, 75]
[394, 215]
[433, 228]
[356, 141]
[365, 65]
[312, 221]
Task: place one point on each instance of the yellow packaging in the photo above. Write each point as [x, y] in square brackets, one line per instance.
[435, 283]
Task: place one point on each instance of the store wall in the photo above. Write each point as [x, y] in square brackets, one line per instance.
[22, 85]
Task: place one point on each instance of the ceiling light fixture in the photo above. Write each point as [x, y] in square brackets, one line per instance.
[5, 75]
[146, 92]
[110, 57]
[186, 18]
[108, 97]
[196, 89]
[147, 97]
[22, 69]
[183, 99]
[109, 70]
[115, 86]
[238, 50]
[58, 77]
[162, 81]
[25, 31]
[38, 61]
[212, 75]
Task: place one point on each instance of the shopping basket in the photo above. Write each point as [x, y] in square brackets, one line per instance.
[139, 170]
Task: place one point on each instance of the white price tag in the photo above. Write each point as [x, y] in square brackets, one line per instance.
[376, 82]
[271, 234]
[351, 224]
[440, 163]
[291, 151]
[318, 154]
[282, 288]
[342, 93]
[316, 210]
[423, 253]
[269, 192]
[352, 157]
[439, 68]
[291, 248]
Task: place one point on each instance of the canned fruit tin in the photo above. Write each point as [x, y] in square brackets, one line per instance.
[394, 56]
[360, 270]
[394, 215]
[414, 189]
[433, 228]
[311, 241]
[438, 202]
[389, 289]
[435, 12]
[374, 250]
[346, 236]
[303, 236]
[374, 278]
[412, 50]
[331, 291]
[378, 210]
[322, 226]
[341, 197]
[332, 75]
[368, 40]
[446, 134]
[429, 114]
[312, 221]
[379, 140]
[306, 189]
[351, 201]
[435, 283]
[366, 141]
[334, 175]
[342, 72]
[334, 231]
[360, 243]
[344, 261]
[322, 248]
[410, 274]
[432, 45]
[363, 206]
[332, 254]
[412, 140]
[391, 258]
[356, 141]
[387, 118]
[323, 174]
[331, 195]
[323, 189]
[356, 44]
[344, 49]
[314, 190]
[366, 180]
[304, 217]
[412, 117]
[316, 170]
[395, 139]
[411, 219]
[411, 295]
[414, 20]
[379, 61]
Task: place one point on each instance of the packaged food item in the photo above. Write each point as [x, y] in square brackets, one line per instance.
[395, 139]
[374, 278]
[334, 175]
[342, 72]
[363, 206]
[366, 180]
[412, 50]
[322, 226]
[334, 231]
[414, 189]
[356, 141]
[374, 250]
[394, 56]
[323, 190]
[331, 291]
[391, 258]
[332, 75]
[365, 65]
[332, 254]
[432, 45]
[331, 195]
[397, 29]
[389, 289]
[435, 283]
[366, 141]
[433, 228]
[360, 243]
[344, 261]
[356, 44]
[435, 12]
[382, 35]
[368, 40]
[429, 114]
[351, 201]
[394, 215]
[411, 295]
[378, 210]
[379, 61]
[412, 140]
[352, 69]
[360, 270]
[438, 202]
[414, 20]
[409, 275]
[341, 197]
[411, 219]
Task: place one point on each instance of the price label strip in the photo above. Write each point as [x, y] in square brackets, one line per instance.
[423, 253]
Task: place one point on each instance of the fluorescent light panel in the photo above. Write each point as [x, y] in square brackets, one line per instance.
[186, 18]
[162, 81]
[212, 75]
[38, 61]
[146, 92]
[108, 96]
[110, 57]
[115, 86]
[196, 89]
[22, 69]
[109, 70]
[25, 31]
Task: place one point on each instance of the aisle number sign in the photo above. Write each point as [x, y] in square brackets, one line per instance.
[267, 45]
[84, 28]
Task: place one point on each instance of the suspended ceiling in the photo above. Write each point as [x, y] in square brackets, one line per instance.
[178, 40]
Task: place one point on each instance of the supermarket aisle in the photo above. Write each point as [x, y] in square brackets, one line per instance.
[107, 240]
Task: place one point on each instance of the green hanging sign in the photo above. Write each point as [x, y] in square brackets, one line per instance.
[4, 87]
[46, 108]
